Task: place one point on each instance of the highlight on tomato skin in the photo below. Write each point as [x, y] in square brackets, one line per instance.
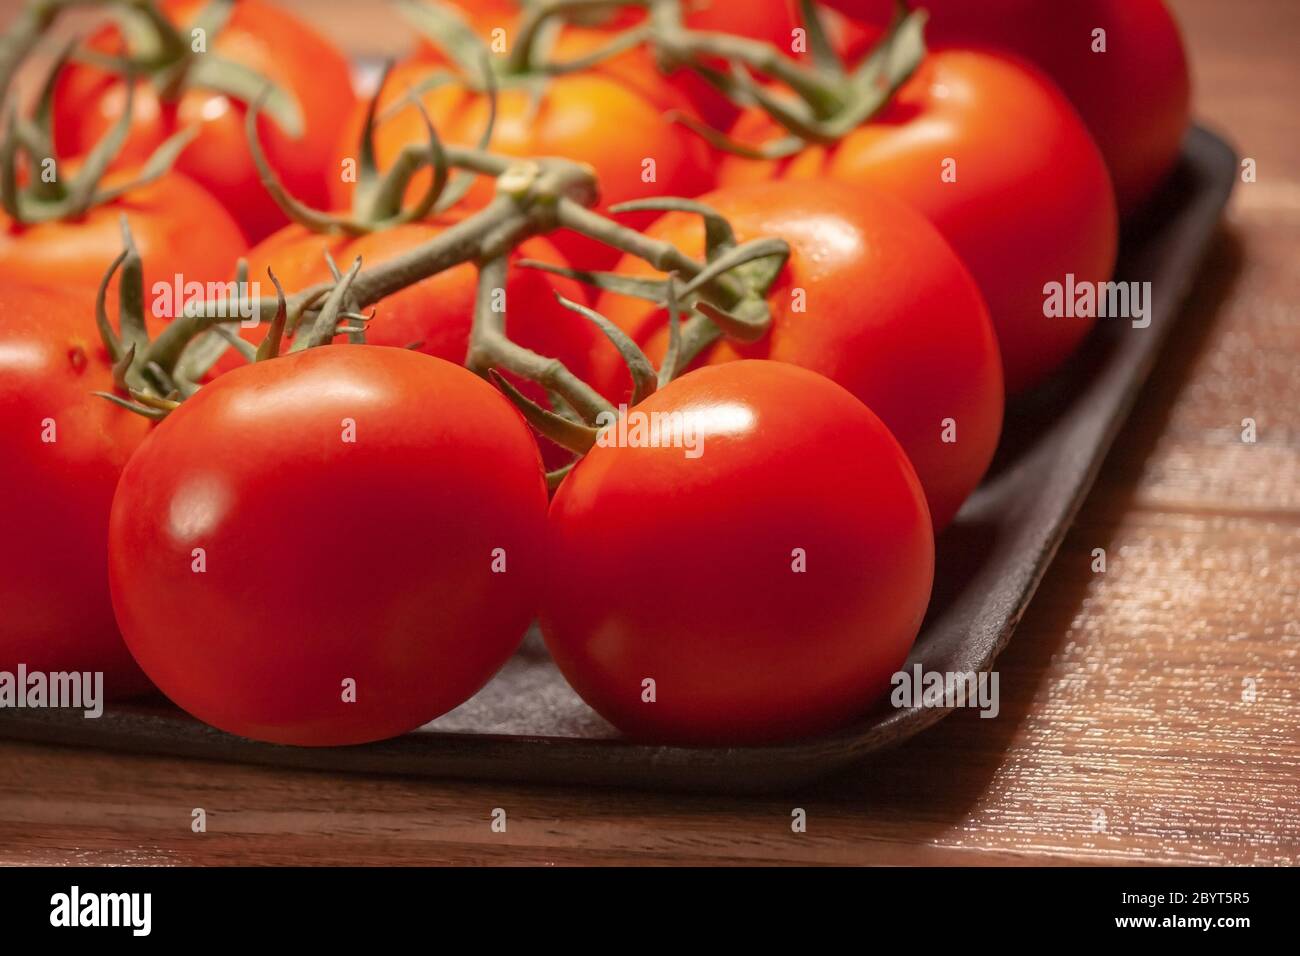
[759, 580]
[331, 547]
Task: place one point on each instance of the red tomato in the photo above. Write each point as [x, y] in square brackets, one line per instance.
[329, 560]
[1134, 97]
[436, 312]
[685, 570]
[261, 37]
[624, 136]
[1030, 203]
[163, 217]
[871, 297]
[770, 21]
[61, 451]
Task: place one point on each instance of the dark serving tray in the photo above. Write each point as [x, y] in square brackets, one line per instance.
[528, 725]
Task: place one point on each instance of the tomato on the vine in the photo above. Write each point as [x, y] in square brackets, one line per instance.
[759, 581]
[769, 21]
[163, 216]
[1129, 81]
[871, 297]
[634, 150]
[330, 547]
[997, 159]
[61, 451]
[259, 37]
[434, 315]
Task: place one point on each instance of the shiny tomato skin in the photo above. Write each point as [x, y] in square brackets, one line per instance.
[178, 228]
[871, 297]
[61, 451]
[587, 117]
[329, 561]
[1134, 97]
[260, 37]
[1031, 201]
[682, 570]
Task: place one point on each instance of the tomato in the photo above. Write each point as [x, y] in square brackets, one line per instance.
[436, 312]
[871, 297]
[589, 117]
[347, 591]
[61, 451]
[1031, 201]
[769, 21]
[178, 228]
[260, 37]
[1134, 97]
[768, 582]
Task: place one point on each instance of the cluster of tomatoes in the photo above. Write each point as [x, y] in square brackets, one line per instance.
[342, 543]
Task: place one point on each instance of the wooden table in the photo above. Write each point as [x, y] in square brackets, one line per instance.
[1125, 734]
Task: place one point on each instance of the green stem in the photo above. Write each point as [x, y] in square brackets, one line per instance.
[822, 92]
[538, 16]
[490, 347]
[22, 36]
[664, 256]
[533, 197]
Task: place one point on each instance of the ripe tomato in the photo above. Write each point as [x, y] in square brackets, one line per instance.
[178, 228]
[260, 37]
[996, 158]
[1134, 96]
[871, 297]
[61, 451]
[768, 585]
[770, 21]
[436, 312]
[589, 117]
[371, 526]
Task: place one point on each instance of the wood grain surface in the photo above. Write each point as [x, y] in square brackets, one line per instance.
[1125, 734]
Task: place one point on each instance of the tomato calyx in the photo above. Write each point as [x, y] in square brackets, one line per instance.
[40, 193]
[534, 197]
[378, 202]
[177, 58]
[153, 377]
[577, 425]
[821, 104]
[728, 296]
[529, 62]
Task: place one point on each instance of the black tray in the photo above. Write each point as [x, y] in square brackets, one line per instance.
[528, 725]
